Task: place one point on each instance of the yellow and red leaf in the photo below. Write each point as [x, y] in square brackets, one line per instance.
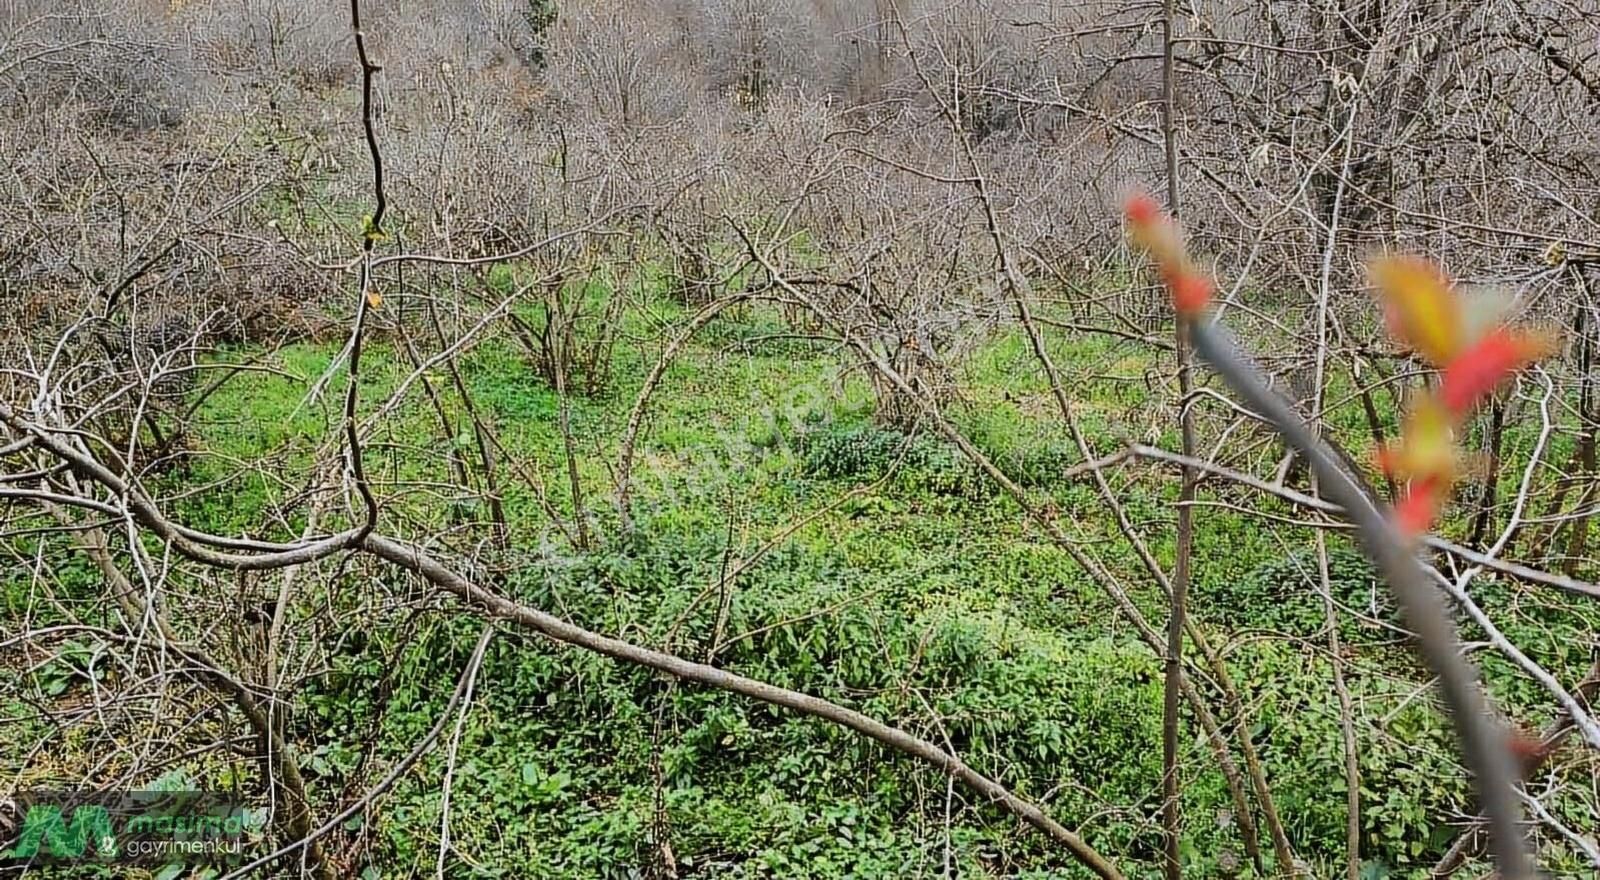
[1426, 447]
[1422, 310]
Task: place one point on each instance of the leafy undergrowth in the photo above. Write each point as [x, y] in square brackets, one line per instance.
[916, 593]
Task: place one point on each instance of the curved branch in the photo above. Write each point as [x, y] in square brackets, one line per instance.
[196, 545]
[415, 560]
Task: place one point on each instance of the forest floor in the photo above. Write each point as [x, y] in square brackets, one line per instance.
[782, 533]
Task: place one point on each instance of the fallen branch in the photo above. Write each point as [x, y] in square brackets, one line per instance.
[139, 508]
[415, 560]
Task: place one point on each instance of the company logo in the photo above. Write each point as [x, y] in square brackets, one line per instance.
[130, 826]
[46, 828]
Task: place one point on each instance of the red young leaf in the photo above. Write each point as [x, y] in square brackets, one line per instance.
[1155, 232]
[1418, 507]
[1142, 210]
[1191, 291]
[1488, 362]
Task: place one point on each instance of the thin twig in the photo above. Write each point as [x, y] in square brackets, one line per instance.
[1171, 805]
[365, 297]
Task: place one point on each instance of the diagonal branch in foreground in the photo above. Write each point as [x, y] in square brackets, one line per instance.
[1485, 743]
